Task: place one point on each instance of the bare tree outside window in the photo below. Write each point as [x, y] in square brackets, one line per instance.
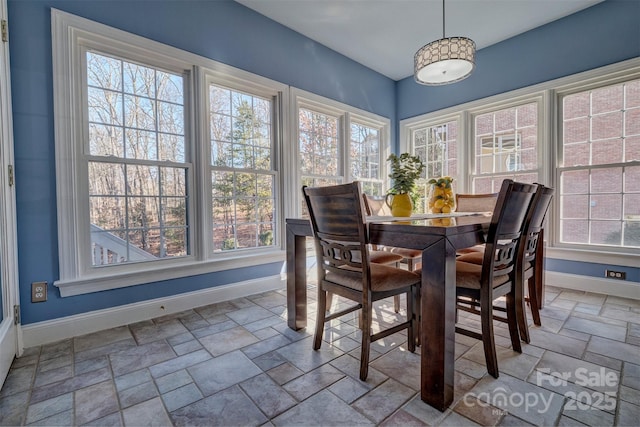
[365, 158]
[318, 145]
[136, 162]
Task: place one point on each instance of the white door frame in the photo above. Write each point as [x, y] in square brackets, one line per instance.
[10, 332]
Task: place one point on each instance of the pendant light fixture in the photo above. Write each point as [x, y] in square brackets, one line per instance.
[444, 61]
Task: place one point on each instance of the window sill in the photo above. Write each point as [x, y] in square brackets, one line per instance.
[593, 256]
[150, 274]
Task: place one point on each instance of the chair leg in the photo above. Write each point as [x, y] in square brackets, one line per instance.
[411, 318]
[396, 298]
[366, 339]
[533, 301]
[488, 341]
[513, 321]
[329, 301]
[321, 312]
[417, 313]
[521, 311]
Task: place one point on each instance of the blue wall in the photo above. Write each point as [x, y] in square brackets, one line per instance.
[221, 30]
[603, 34]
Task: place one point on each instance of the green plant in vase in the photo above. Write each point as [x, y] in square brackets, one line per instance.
[405, 171]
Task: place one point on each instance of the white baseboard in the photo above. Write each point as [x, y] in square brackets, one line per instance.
[619, 288]
[67, 327]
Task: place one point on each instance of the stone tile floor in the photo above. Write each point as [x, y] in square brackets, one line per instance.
[236, 363]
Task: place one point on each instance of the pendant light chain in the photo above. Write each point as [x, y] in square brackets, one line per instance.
[443, 32]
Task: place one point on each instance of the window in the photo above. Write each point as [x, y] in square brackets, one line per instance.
[579, 134]
[318, 144]
[338, 144]
[166, 162]
[437, 147]
[366, 158]
[137, 173]
[242, 171]
[506, 146]
[599, 174]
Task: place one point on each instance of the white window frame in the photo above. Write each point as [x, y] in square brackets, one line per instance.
[537, 98]
[598, 81]
[70, 36]
[257, 88]
[409, 127]
[548, 145]
[346, 114]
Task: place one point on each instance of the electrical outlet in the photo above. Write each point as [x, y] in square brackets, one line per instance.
[38, 291]
[611, 274]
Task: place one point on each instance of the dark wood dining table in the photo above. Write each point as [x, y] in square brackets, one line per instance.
[438, 238]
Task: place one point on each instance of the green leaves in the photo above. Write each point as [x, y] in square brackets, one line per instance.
[405, 170]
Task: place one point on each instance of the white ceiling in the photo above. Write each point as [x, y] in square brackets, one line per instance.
[385, 34]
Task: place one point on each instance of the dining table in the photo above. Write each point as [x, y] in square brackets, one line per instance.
[438, 237]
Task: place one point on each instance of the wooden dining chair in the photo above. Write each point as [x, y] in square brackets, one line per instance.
[379, 255]
[528, 266]
[377, 206]
[477, 286]
[480, 202]
[344, 268]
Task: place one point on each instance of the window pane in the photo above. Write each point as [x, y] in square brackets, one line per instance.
[574, 207]
[606, 233]
[171, 148]
[105, 106]
[139, 80]
[170, 118]
[606, 180]
[574, 231]
[106, 140]
[141, 144]
[576, 130]
[575, 182]
[606, 206]
[104, 72]
[170, 87]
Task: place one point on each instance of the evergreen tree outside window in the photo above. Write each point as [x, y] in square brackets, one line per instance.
[242, 172]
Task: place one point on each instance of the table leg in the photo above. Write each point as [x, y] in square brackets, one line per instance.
[296, 281]
[437, 326]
